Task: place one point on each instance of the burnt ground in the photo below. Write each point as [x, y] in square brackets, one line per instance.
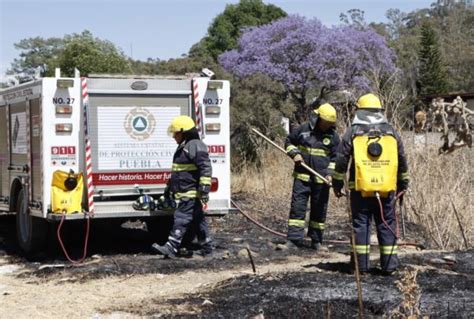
[322, 286]
[328, 290]
[126, 250]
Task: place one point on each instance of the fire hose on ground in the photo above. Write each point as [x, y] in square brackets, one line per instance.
[334, 242]
[86, 240]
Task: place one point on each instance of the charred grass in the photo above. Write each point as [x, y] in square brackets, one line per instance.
[119, 252]
[326, 290]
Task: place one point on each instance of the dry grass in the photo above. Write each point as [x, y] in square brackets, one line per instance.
[268, 188]
[408, 286]
[441, 184]
[273, 178]
[437, 182]
[267, 193]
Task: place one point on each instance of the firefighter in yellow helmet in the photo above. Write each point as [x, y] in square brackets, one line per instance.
[313, 143]
[378, 172]
[190, 183]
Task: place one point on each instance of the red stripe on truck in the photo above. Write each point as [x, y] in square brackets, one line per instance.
[130, 178]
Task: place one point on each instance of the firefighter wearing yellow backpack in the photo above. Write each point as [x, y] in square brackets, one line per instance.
[378, 173]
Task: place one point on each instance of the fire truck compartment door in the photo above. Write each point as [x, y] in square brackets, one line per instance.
[130, 143]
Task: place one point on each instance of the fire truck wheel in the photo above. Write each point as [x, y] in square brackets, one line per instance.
[31, 231]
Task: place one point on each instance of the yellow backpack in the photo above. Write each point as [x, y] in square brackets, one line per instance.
[64, 197]
[376, 163]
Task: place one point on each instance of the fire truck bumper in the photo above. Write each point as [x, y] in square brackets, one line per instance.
[125, 210]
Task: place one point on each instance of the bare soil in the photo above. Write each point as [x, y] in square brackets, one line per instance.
[121, 279]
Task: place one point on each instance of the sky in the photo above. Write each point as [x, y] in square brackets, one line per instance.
[154, 28]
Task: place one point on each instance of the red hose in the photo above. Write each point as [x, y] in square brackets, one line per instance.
[383, 219]
[394, 205]
[86, 239]
[274, 232]
[397, 235]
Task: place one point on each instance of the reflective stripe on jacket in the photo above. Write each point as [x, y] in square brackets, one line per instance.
[191, 167]
[317, 148]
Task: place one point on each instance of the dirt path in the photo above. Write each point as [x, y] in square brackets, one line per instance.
[67, 298]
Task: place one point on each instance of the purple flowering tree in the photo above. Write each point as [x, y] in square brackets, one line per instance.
[306, 56]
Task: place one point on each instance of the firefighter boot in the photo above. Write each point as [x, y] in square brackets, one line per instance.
[318, 247]
[363, 268]
[206, 248]
[166, 250]
[294, 244]
[185, 252]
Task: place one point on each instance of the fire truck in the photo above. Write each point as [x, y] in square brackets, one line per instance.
[76, 148]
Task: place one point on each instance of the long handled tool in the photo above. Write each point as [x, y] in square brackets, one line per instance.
[309, 169]
[402, 215]
[354, 251]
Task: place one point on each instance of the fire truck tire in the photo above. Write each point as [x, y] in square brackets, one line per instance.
[31, 231]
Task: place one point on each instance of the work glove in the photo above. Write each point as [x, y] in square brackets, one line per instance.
[329, 178]
[337, 186]
[165, 203]
[298, 159]
[204, 193]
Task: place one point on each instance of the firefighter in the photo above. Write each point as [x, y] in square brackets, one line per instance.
[315, 144]
[190, 183]
[371, 139]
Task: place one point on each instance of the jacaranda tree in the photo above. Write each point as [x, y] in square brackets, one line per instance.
[306, 56]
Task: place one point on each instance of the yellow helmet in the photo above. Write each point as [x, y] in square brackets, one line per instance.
[181, 123]
[369, 101]
[327, 112]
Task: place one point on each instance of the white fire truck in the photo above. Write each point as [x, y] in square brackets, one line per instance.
[43, 142]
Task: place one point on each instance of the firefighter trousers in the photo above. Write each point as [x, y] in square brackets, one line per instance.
[319, 194]
[189, 217]
[363, 210]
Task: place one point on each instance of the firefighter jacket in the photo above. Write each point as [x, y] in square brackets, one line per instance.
[363, 122]
[317, 148]
[191, 171]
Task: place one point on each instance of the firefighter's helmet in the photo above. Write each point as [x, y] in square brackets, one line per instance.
[181, 123]
[369, 101]
[327, 112]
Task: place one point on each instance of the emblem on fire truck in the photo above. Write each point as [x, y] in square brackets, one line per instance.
[139, 123]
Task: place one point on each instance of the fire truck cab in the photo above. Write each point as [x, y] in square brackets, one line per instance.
[75, 146]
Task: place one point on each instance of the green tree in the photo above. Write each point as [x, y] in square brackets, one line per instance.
[91, 55]
[35, 52]
[403, 38]
[452, 21]
[225, 29]
[257, 101]
[149, 67]
[81, 51]
[432, 73]
[355, 18]
[457, 41]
